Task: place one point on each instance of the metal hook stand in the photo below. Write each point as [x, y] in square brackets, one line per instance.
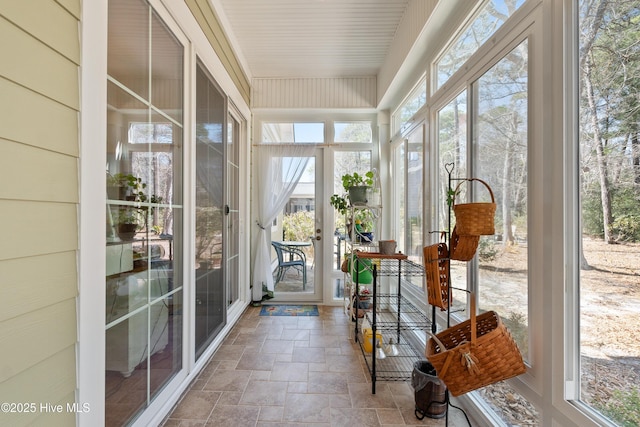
[449, 167]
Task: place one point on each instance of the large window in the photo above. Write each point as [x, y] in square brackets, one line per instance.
[499, 157]
[410, 106]
[490, 16]
[609, 237]
[143, 209]
[496, 152]
[415, 195]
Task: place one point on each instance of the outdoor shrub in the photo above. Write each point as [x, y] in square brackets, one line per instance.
[626, 222]
[623, 407]
[517, 325]
[298, 226]
[592, 221]
[627, 227]
[487, 250]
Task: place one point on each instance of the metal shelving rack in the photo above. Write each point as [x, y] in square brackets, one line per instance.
[391, 315]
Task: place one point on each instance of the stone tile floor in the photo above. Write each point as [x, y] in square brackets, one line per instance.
[295, 371]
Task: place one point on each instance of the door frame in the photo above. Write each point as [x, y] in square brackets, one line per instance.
[319, 222]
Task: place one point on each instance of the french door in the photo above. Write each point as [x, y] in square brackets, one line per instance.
[298, 237]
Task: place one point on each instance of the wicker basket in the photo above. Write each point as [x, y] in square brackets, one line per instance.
[436, 265]
[463, 248]
[475, 219]
[475, 353]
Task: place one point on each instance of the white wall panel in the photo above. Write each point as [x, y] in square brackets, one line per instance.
[347, 92]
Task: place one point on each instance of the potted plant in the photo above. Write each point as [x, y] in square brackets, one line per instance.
[356, 185]
[364, 226]
[126, 187]
[127, 224]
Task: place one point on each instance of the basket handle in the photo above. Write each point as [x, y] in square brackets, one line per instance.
[457, 190]
[437, 340]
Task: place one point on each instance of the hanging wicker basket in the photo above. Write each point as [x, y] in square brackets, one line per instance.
[463, 248]
[475, 219]
[436, 266]
[475, 353]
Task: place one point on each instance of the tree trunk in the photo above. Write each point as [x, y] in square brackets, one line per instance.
[635, 153]
[598, 142]
[507, 234]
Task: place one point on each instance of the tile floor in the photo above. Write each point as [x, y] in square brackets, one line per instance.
[295, 371]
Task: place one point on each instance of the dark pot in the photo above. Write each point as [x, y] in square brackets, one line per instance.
[127, 231]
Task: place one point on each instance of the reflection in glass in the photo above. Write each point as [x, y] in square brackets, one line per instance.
[166, 324]
[143, 223]
[128, 45]
[126, 353]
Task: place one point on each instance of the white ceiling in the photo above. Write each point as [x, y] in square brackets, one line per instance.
[312, 38]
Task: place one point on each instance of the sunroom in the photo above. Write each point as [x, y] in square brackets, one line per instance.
[185, 175]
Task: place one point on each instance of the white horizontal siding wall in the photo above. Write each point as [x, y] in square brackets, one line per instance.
[346, 92]
[39, 153]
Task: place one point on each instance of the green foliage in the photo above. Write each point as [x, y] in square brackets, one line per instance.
[517, 325]
[339, 203]
[355, 179]
[592, 221]
[135, 185]
[623, 407]
[627, 227]
[626, 214]
[451, 196]
[487, 250]
[365, 218]
[130, 215]
[298, 226]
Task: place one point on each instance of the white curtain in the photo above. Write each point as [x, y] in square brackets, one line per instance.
[279, 169]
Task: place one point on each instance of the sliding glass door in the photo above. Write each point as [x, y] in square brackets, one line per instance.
[144, 211]
[210, 304]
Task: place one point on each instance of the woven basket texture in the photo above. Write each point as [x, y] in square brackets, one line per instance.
[436, 265]
[475, 219]
[495, 354]
[463, 248]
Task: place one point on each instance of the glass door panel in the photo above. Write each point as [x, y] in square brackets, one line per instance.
[143, 284]
[210, 179]
[345, 162]
[232, 239]
[297, 238]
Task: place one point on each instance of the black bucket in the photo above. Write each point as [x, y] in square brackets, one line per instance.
[430, 391]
